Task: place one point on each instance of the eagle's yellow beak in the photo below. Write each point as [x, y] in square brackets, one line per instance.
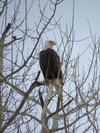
[52, 42]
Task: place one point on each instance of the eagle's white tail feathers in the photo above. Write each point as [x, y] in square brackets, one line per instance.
[58, 87]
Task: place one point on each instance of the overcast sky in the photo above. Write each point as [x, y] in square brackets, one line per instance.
[84, 10]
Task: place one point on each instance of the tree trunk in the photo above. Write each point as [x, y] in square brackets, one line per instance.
[7, 28]
[1, 71]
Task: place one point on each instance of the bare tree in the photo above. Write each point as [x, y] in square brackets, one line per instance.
[27, 103]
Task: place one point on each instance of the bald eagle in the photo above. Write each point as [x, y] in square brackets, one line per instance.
[50, 63]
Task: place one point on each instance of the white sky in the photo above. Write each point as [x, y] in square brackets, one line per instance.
[84, 9]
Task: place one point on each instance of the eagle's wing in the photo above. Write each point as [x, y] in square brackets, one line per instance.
[50, 64]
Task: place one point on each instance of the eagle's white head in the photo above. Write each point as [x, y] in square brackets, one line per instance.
[49, 44]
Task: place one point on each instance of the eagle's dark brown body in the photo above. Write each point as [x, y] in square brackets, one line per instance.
[50, 64]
